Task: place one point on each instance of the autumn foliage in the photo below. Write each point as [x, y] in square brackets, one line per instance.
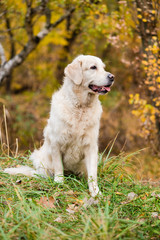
[39, 38]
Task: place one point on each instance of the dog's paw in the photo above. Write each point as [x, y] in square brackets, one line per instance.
[95, 191]
[59, 179]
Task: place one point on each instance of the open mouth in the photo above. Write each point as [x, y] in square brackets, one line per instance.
[100, 89]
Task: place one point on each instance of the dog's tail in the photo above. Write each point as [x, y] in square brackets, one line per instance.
[41, 160]
[25, 170]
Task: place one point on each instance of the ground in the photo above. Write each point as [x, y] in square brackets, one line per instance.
[38, 208]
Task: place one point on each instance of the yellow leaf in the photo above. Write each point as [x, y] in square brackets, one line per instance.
[152, 88]
[158, 103]
[155, 73]
[119, 193]
[139, 16]
[144, 20]
[143, 119]
[152, 118]
[10, 199]
[144, 62]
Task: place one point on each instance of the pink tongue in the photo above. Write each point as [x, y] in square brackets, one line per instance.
[107, 88]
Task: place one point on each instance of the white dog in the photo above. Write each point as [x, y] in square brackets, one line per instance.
[71, 135]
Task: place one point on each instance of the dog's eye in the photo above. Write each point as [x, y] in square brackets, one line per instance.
[93, 67]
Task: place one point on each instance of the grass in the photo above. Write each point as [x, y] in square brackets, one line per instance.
[38, 208]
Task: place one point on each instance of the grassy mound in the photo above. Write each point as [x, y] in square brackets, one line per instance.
[38, 208]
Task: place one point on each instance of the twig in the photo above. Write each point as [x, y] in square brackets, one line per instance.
[16, 153]
[11, 29]
[6, 129]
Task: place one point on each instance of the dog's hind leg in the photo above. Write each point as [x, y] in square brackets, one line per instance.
[42, 161]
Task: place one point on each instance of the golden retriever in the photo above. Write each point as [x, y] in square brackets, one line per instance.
[71, 134]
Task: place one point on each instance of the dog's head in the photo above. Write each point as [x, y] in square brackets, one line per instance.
[89, 72]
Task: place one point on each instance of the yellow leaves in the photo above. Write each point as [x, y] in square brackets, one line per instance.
[144, 20]
[154, 37]
[139, 16]
[157, 104]
[153, 11]
[135, 113]
[131, 99]
[144, 62]
[136, 97]
[155, 49]
[143, 119]
[155, 73]
[152, 88]
[145, 112]
[152, 118]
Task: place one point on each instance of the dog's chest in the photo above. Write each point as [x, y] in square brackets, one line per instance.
[77, 133]
[80, 120]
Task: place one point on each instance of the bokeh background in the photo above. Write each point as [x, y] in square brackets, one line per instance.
[124, 34]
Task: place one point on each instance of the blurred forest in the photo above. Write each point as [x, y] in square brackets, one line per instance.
[38, 38]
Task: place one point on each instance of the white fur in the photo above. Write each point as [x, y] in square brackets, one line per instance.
[71, 135]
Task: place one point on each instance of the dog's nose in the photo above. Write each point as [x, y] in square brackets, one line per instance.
[111, 77]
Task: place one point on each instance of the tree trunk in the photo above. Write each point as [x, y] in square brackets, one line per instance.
[147, 12]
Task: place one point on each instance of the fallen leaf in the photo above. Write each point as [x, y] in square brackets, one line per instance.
[154, 214]
[131, 195]
[10, 199]
[72, 208]
[141, 220]
[143, 198]
[158, 195]
[153, 194]
[118, 193]
[79, 201]
[89, 202]
[58, 219]
[70, 192]
[125, 202]
[46, 202]
[70, 211]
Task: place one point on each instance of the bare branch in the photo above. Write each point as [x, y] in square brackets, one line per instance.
[11, 29]
[28, 20]
[30, 46]
[2, 55]
[11, 36]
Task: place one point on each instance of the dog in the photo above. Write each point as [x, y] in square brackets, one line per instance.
[71, 134]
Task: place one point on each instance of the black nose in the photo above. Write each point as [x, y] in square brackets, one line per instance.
[111, 77]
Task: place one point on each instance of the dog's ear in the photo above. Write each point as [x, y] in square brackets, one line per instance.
[74, 72]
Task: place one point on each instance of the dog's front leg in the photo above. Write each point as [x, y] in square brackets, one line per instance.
[57, 165]
[91, 160]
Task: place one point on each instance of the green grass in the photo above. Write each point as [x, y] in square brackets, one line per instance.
[24, 213]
